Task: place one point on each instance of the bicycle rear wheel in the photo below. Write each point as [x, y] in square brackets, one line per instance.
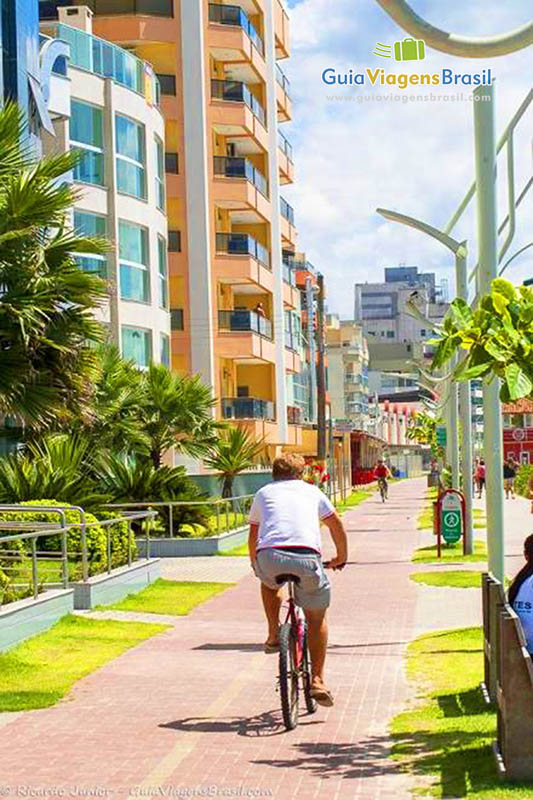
[310, 702]
[288, 677]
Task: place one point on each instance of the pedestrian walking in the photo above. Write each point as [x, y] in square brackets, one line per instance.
[480, 477]
[521, 593]
[509, 475]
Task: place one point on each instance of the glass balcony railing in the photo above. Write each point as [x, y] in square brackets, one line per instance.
[95, 55]
[244, 320]
[239, 167]
[354, 380]
[287, 210]
[242, 244]
[176, 319]
[285, 146]
[238, 92]
[247, 408]
[283, 80]
[234, 15]
[157, 8]
[293, 341]
[288, 272]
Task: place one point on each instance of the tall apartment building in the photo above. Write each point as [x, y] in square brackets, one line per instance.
[104, 102]
[224, 97]
[348, 373]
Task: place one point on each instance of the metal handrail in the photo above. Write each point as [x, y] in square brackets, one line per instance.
[40, 529]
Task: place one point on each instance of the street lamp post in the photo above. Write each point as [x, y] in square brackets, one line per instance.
[485, 152]
[459, 250]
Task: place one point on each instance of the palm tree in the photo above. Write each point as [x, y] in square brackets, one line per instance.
[176, 412]
[234, 451]
[114, 421]
[47, 326]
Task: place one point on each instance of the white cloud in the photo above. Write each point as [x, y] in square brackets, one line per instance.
[414, 157]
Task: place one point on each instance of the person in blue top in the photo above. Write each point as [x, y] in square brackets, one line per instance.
[520, 594]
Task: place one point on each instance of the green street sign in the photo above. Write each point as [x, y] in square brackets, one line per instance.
[442, 435]
[451, 518]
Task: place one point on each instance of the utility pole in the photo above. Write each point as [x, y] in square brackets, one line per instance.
[321, 374]
[310, 303]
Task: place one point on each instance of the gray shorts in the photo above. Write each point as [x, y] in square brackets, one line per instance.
[313, 589]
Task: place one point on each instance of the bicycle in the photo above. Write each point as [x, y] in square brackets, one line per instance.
[383, 489]
[294, 660]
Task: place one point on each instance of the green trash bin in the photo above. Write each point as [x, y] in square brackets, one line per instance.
[410, 50]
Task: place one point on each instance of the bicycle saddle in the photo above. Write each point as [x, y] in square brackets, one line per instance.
[287, 577]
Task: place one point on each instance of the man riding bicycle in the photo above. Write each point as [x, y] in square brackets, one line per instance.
[382, 474]
[285, 539]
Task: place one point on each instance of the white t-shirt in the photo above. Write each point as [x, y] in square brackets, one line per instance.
[523, 606]
[288, 514]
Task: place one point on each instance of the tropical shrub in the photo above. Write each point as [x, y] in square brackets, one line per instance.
[497, 338]
[95, 536]
[233, 452]
[523, 476]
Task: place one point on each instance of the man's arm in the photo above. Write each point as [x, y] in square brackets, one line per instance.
[252, 540]
[340, 540]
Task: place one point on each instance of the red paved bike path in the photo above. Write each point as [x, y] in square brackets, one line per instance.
[195, 709]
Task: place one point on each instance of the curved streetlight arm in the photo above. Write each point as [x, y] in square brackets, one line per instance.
[465, 46]
[515, 255]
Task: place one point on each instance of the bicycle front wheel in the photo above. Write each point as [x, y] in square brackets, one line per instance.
[288, 677]
[310, 702]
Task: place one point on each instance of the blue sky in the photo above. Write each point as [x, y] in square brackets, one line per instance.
[414, 157]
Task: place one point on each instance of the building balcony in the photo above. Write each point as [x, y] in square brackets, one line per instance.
[285, 159]
[242, 244]
[288, 272]
[233, 39]
[288, 230]
[245, 337]
[244, 320]
[238, 92]
[283, 99]
[247, 408]
[239, 186]
[281, 31]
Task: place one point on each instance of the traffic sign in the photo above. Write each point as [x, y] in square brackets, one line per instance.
[442, 435]
[451, 517]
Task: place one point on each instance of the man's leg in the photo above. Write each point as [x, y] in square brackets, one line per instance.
[317, 638]
[272, 603]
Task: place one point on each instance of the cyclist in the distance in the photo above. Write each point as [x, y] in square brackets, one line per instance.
[285, 539]
[382, 474]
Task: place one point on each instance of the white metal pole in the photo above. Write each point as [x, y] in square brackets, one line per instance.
[453, 434]
[465, 409]
[485, 150]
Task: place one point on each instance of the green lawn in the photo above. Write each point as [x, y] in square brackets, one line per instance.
[450, 552]
[170, 597]
[353, 500]
[41, 671]
[240, 550]
[446, 736]
[455, 578]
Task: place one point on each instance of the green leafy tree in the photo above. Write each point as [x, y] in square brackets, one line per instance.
[47, 325]
[176, 412]
[497, 339]
[423, 429]
[234, 451]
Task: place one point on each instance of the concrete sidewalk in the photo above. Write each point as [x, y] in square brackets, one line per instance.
[197, 707]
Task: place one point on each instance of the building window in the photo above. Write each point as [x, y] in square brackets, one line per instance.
[176, 319]
[87, 136]
[174, 241]
[137, 345]
[134, 262]
[167, 83]
[159, 174]
[423, 332]
[172, 163]
[162, 272]
[165, 350]
[88, 224]
[131, 157]
[390, 334]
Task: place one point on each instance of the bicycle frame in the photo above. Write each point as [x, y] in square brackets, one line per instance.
[297, 622]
